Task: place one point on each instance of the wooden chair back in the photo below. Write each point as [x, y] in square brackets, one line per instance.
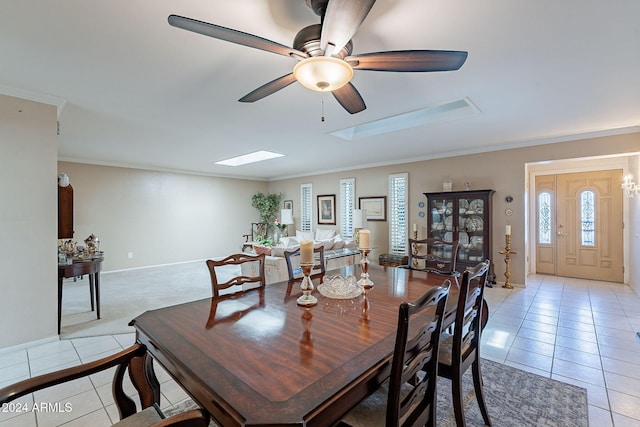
[461, 350]
[412, 384]
[293, 263]
[215, 267]
[258, 229]
[135, 361]
[433, 255]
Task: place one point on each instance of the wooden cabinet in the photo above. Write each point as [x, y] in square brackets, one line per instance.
[464, 216]
[65, 212]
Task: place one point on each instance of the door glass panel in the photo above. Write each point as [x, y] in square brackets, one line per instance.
[439, 217]
[544, 218]
[472, 244]
[587, 217]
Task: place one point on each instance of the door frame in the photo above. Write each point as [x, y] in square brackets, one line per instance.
[585, 164]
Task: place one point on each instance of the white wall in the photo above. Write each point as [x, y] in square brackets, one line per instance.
[159, 217]
[28, 221]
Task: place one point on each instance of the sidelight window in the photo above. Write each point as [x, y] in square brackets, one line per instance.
[587, 217]
[544, 218]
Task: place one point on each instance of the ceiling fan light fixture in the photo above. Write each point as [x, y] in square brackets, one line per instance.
[323, 73]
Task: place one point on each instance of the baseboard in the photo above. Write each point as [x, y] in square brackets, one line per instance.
[154, 266]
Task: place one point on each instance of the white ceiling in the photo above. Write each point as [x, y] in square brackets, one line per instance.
[138, 92]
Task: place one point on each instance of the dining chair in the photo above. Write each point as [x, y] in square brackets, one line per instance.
[293, 263]
[461, 350]
[228, 265]
[134, 360]
[408, 397]
[258, 229]
[433, 255]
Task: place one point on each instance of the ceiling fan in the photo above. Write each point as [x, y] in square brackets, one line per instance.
[323, 52]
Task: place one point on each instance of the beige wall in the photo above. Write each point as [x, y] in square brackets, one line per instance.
[160, 217]
[166, 217]
[28, 227]
[502, 171]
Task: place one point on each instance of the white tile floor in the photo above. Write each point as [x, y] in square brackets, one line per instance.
[577, 331]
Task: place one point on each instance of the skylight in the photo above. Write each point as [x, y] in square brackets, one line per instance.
[436, 113]
[257, 156]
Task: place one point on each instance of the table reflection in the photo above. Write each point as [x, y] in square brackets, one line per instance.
[306, 340]
[226, 308]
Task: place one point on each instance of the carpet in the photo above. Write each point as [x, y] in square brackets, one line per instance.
[515, 398]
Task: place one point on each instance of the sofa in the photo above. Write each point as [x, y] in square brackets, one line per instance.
[338, 252]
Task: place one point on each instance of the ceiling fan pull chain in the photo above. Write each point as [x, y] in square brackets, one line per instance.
[322, 100]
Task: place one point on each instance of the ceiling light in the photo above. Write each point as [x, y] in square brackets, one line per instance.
[258, 156]
[323, 73]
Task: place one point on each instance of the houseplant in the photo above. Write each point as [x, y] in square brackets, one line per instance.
[268, 206]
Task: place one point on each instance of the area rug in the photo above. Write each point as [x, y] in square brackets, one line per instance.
[515, 398]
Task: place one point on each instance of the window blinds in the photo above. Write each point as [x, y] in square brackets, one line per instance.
[306, 203]
[347, 205]
[398, 195]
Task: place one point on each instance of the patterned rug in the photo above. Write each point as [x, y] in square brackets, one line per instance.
[515, 398]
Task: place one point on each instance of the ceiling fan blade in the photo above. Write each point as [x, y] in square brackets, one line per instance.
[269, 88]
[350, 99]
[233, 36]
[409, 60]
[341, 22]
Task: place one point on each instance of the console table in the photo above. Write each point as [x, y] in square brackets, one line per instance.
[80, 267]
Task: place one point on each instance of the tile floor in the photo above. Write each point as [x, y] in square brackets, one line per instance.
[576, 331]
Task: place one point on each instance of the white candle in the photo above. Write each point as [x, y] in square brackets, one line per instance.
[508, 230]
[415, 227]
[306, 252]
[364, 235]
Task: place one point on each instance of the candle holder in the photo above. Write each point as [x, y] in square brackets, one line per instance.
[306, 286]
[507, 260]
[364, 264]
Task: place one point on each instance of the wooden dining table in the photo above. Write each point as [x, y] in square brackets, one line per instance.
[257, 358]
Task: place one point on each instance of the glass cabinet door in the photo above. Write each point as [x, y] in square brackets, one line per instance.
[471, 229]
[442, 219]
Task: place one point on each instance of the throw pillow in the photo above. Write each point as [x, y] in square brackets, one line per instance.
[325, 234]
[304, 235]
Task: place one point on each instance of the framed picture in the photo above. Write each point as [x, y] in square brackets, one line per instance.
[327, 209]
[376, 207]
[287, 204]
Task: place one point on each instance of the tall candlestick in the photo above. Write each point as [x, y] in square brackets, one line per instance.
[508, 230]
[306, 252]
[507, 260]
[364, 236]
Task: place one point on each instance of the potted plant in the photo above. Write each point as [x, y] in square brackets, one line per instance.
[268, 206]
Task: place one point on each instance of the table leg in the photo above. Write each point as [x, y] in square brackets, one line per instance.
[59, 303]
[91, 286]
[97, 285]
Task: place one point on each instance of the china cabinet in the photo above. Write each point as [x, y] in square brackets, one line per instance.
[65, 212]
[464, 216]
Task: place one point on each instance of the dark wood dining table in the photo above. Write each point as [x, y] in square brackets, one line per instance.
[257, 358]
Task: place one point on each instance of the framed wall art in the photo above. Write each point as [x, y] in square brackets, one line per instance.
[287, 204]
[376, 207]
[327, 209]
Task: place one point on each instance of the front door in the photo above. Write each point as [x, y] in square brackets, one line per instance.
[579, 225]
